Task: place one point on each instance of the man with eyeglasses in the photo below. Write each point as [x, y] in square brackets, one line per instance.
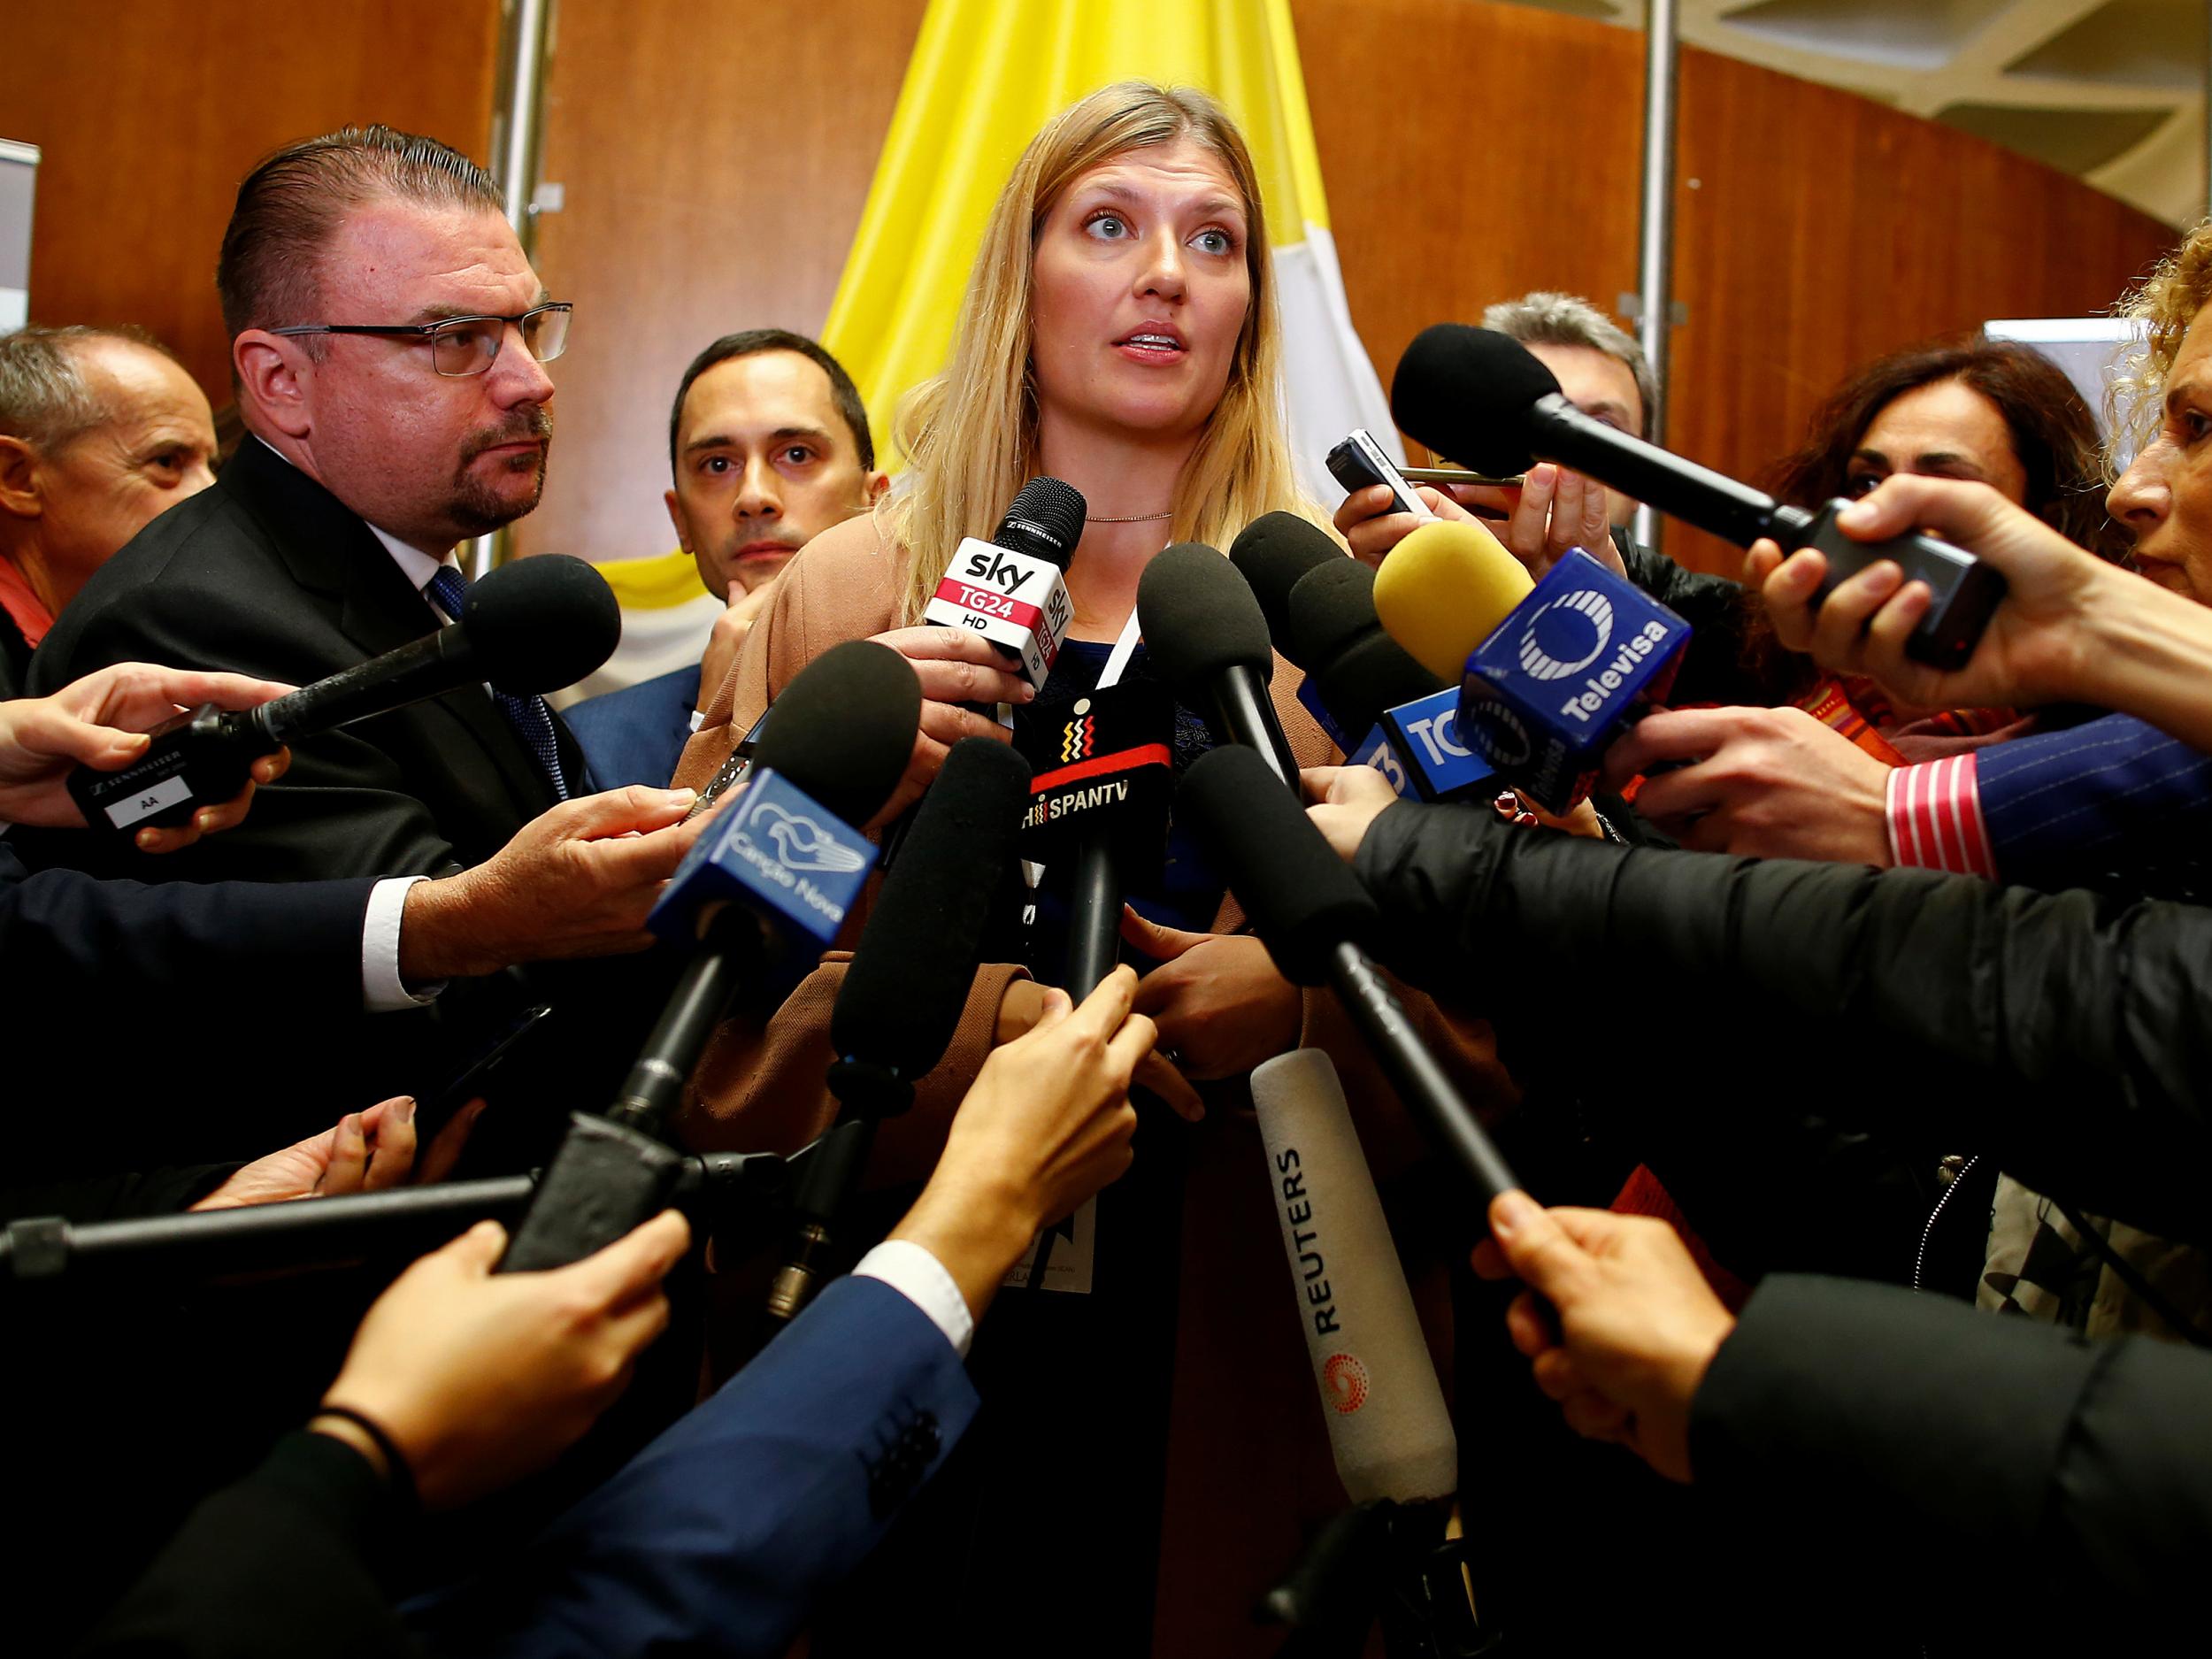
[389, 343]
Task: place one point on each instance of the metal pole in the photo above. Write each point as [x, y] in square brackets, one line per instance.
[518, 128]
[1655, 257]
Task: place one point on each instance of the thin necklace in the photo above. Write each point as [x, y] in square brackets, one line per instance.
[1141, 517]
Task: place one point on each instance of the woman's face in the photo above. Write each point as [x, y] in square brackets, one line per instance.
[2164, 499]
[1946, 429]
[1141, 291]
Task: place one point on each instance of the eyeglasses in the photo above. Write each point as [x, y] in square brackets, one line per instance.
[466, 345]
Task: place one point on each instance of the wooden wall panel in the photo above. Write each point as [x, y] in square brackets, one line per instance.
[149, 114]
[713, 165]
[1814, 229]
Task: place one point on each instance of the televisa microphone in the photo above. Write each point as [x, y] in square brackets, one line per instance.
[531, 626]
[758, 898]
[1320, 607]
[1313, 915]
[1390, 1430]
[905, 988]
[1486, 401]
[1551, 672]
[1013, 589]
[1207, 637]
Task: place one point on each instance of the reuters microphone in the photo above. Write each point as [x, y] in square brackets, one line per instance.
[1390, 1429]
[758, 898]
[1013, 589]
[1550, 673]
[529, 628]
[1484, 401]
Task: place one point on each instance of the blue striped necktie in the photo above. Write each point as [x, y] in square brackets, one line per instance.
[532, 721]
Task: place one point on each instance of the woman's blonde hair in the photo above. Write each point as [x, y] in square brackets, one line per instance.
[971, 433]
[2165, 303]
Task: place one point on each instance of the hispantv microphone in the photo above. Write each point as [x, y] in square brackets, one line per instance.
[903, 992]
[1012, 589]
[1484, 401]
[760, 897]
[1313, 915]
[1207, 637]
[529, 628]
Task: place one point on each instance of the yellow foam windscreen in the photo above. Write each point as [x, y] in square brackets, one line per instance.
[1440, 591]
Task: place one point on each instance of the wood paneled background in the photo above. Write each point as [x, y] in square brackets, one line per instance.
[149, 114]
[714, 170]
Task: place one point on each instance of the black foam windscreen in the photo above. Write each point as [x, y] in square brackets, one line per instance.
[1045, 521]
[843, 729]
[909, 980]
[1357, 685]
[1466, 393]
[539, 624]
[1303, 901]
[1330, 609]
[1276, 550]
[1199, 617]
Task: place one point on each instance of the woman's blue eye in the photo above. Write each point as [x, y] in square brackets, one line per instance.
[1215, 240]
[1096, 226]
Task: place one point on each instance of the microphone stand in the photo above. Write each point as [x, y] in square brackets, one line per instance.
[314, 1235]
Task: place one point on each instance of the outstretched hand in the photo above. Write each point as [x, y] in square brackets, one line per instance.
[365, 1152]
[101, 721]
[1630, 1325]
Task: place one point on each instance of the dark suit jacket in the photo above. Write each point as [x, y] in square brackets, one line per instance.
[268, 573]
[638, 733]
[717, 1538]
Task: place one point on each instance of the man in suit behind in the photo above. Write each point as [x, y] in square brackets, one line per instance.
[101, 432]
[388, 340]
[768, 445]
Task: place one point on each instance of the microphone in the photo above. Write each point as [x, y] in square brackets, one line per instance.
[1390, 1429]
[1359, 671]
[1012, 589]
[1484, 400]
[1551, 671]
[760, 895]
[531, 626]
[1312, 914]
[908, 983]
[1320, 604]
[1099, 801]
[1208, 639]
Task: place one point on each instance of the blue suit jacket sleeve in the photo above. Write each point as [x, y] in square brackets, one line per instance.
[2113, 797]
[717, 1538]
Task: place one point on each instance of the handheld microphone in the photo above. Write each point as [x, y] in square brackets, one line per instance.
[529, 628]
[1207, 637]
[1320, 605]
[1551, 672]
[1012, 589]
[761, 895]
[903, 993]
[1313, 915]
[1390, 1429]
[1484, 400]
[1362, 671]
[1099, 803]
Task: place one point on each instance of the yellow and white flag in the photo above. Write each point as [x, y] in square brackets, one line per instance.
[986, 74]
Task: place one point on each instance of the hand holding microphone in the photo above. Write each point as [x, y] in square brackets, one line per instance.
[1632, 1326]
[102, 721]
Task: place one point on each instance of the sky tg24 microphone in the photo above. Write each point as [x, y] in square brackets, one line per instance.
[531, 626]
[1012, 589]
[1484, 400]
